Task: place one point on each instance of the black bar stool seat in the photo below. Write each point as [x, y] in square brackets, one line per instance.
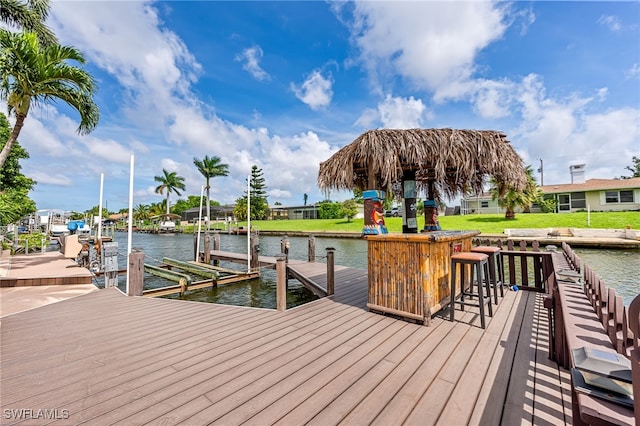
[496, 270]
[480, 265]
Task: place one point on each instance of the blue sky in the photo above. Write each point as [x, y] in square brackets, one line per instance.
[284, 85]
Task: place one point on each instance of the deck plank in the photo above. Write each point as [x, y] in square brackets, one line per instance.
[113, 359]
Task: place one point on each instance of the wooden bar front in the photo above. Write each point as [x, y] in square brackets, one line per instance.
[409, 273]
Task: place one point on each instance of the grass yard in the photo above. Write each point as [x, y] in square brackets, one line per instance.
[486, 223]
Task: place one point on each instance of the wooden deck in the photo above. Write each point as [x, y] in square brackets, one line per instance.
[105, 358]
[49, 268]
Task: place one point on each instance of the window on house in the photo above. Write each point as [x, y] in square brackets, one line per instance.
[611, 197]
[619, 196]
[484, 204]
[626, 196]
[578, 200]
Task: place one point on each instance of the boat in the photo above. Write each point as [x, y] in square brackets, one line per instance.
[165, 223]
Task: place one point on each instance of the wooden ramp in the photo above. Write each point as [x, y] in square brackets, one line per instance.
[107, 358]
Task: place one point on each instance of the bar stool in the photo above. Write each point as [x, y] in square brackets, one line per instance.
[496, 270]
[479, 263]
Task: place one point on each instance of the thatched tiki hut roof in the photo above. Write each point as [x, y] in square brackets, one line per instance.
[457, 161]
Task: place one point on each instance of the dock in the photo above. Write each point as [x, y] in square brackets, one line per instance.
[104, 358]
[48, 268]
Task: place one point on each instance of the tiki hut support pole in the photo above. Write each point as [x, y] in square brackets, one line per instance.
[409, 194]
[431, 222]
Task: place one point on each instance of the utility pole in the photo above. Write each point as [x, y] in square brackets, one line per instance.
[541, 171]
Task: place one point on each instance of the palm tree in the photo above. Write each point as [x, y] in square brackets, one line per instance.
[29, 16]
[156, 209]
[509, 198]
[171, 182]
[210, 168]
[141, 212]
[31, 73]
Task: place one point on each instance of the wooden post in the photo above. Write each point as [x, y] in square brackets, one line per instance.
[216, 246]
[195, 247]
[255, 251]
[207, 248]
[136, 273]
[281, 283]
[330, 271]
[312, 249]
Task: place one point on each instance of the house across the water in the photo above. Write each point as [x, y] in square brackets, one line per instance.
[579, 195]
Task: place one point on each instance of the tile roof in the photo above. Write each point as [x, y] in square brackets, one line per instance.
[593, 185]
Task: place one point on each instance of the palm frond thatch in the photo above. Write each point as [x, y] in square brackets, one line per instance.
[456, 161]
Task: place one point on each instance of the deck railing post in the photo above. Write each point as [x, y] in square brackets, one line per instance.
[330, 271]
[281, 283]
[312, 248]
[136, 273]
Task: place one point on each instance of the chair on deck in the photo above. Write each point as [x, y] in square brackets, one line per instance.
[480, 268]
[496, 270]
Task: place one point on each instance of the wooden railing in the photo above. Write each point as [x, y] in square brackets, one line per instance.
[526, 267]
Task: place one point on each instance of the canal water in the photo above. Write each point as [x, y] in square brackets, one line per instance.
[619, 268]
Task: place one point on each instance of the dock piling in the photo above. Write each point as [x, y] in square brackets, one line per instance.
[216, 246]
[284, 247]
[255, 251]
[136, 273]
[312, 248]
[207, 248]
[281, 283]
[330, 271]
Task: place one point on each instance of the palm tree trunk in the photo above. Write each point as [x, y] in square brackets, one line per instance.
[168, 210]
[12, 138]
[510, 213]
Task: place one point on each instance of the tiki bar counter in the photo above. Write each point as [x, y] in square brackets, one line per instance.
[409, 273]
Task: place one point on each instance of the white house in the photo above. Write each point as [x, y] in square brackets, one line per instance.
[580, 194]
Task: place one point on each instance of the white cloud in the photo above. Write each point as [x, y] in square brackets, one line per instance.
[395, 112]
[315, 91]
[51, 178]
[564, 131]
[633, 72]
[153, 66]
[251, 62]
[429, 43]
[401, 113]
[293, 165]
[611, 22]
[491, 99]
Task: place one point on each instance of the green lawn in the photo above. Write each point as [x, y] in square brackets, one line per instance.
[487, 223]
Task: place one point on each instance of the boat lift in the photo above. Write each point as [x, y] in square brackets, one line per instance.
[213, 276]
